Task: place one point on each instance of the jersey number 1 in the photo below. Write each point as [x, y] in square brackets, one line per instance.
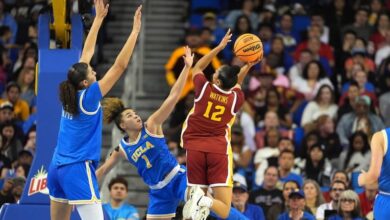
[146, 159]
[218, 110]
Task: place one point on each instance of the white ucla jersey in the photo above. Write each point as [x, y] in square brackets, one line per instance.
[80, 135]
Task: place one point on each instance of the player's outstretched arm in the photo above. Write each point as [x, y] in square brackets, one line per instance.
[155, 121]
[244, 71]
[206, 59]
[377, 153]
[114, 158]
[123, 58]
[89, 45]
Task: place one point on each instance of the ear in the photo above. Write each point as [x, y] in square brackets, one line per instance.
[85, 83]
[122, 125]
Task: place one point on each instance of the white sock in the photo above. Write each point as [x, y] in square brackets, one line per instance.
[205, 201]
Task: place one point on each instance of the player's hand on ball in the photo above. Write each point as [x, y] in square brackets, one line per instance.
[101, 9]
[250, 64]
[188, 57]
[137, 19]
[225, 40]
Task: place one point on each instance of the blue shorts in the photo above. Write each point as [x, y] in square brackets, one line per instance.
[163, 202]
[74, 183]
[382, 207]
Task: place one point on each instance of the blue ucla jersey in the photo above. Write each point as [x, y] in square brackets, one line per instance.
[80, 135]
[150, 154]
[384, 178]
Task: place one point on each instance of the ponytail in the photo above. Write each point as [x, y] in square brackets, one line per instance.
[68, 89]
[68, 97]
[112, 110]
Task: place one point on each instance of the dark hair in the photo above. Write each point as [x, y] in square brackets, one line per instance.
[68, 88]
[236, 25]
[383, 13]
[266, 25]
[25, 167]
[4, 29]
[306, 51]
[11, 85]
[286, 152]
[354, 83]
[321, 73]
[339, 182]
[118, 179]
[291, 181]
[349, 31]
[317, 98]
[311, 171]
[366, 145]
[269, 167]
[343, 172]
[267, 96]
[228, 75]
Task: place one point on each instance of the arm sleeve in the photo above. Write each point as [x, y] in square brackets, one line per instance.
[240, 99]
[91, 97]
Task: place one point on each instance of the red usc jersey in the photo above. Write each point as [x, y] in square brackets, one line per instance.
[207, 127]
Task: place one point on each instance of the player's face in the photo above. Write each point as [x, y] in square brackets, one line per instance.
[130, 120]
[216, 81]
[91, 76]
[118, 191]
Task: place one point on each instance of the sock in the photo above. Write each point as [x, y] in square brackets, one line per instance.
[205, 201]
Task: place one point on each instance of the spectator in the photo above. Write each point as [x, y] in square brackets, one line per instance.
[18, 187]
[325, 128]
[242, 155]
[21, 170]
[336, 188]
[275, 211]
[21, 108]
[308, 141]
[367, 198]
[286, 163]
[247, 10]
[343, 52]
[376, 7]
[287, 32]
[268, 196]
[348, 100]
[314, 77]
[26, 81]
[273, 103]
[266, 32]
[30, 144]
[348, 207]
[117, 208]
[296, 202]
[6, 192]
[313, 195]
[358, 155]
[323, 104]
[317, 167]
[240, 202]
[210, 21]
[318, 20]
[338, 15]
[359, 56]
[384, 102]
[321, 51]
[361, 119]
[382, 27]
[278, 58]
[295, 73]
[384, 50]
[7, 20]
[24, 158]
[11, 146]
[361, 77]
[361, 26]
[6, 112]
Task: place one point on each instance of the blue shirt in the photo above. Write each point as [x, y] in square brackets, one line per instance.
[306, 216]
[150, 155]
[384, 177]
[80, 135]
[338, 217]
[124, 212]
[251, 212]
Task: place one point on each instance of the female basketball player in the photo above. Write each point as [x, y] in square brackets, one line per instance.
[71, 175]
[206, 134]
[379, 169]
[145, 147]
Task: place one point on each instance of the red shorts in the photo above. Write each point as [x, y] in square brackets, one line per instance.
[209, 169]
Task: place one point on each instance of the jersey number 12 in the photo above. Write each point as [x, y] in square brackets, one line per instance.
[217, 112]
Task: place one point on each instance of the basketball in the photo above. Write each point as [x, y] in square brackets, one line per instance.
[248, 48]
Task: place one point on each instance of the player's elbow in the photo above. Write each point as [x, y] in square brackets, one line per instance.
[120, 65]
[225, 215]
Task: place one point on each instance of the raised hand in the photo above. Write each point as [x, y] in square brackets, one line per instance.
[101, 10]
[225, 40]
[188, 57]
[137, 19]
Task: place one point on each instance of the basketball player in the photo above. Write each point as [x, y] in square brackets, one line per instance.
[71, 176]
[379, 169]
[206, 135]
[145, 147]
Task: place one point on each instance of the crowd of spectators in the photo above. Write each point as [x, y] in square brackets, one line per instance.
[312, 104]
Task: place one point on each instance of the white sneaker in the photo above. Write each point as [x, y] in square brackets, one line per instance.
[202, 213]
[191, 207]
